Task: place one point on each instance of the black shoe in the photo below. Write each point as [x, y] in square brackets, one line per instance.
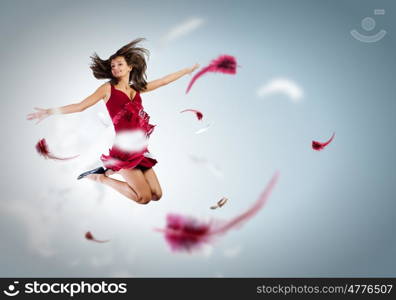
[99, 170]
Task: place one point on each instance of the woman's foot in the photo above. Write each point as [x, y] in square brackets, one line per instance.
[99, 170]
[96, 177]
[109, 172]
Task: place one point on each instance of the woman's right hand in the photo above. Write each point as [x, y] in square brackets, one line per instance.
[193, 68]
[40, 114]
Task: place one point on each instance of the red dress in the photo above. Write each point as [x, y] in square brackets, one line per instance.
[127, 114]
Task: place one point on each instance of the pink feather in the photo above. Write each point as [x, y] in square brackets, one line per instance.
[226, 64]
[90, 237]
[187, 233]
[42, 149]
[320, 146]
[197, 113]
[262, 199]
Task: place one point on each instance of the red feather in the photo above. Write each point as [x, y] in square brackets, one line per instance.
[320, 146]
[187, 233]
[226, 64]
[90, 237]
[197, 113]
[42, 149]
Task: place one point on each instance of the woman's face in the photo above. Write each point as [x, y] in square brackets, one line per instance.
[119, 67]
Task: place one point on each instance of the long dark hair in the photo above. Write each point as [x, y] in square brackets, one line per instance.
[134, 56]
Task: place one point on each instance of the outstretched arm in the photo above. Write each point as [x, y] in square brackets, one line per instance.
[42, 113]
[152, 85]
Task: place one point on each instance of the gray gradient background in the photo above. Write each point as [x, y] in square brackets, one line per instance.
[332, 212]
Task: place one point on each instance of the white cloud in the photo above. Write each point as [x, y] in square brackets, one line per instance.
[206, 250]
[183, 29]
[38, 225]
[232, 252]
[102, 261]
[104, 119]
[214, 169]
[282, 85]
[121, 274]
[131, 140]
[203, 129]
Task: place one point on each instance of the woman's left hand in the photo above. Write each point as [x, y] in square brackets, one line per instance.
[193, 68]
[40, 114]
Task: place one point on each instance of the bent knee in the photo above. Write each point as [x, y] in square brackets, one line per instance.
[144, 198]
[156, 195]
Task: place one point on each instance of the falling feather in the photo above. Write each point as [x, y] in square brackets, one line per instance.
[185, 234]
[203, 129]
[197, 113]
[320, 146]
[42, 149]
[90, 237]
[220, 203]
[226, 64]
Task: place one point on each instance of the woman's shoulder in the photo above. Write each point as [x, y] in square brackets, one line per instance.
[107, 89]
[105, 86]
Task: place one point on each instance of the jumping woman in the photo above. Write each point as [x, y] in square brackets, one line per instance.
[126, 70]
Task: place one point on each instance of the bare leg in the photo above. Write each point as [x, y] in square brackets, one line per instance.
[139, 192]
[136, 181]
[119, 186]
[153, 182]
